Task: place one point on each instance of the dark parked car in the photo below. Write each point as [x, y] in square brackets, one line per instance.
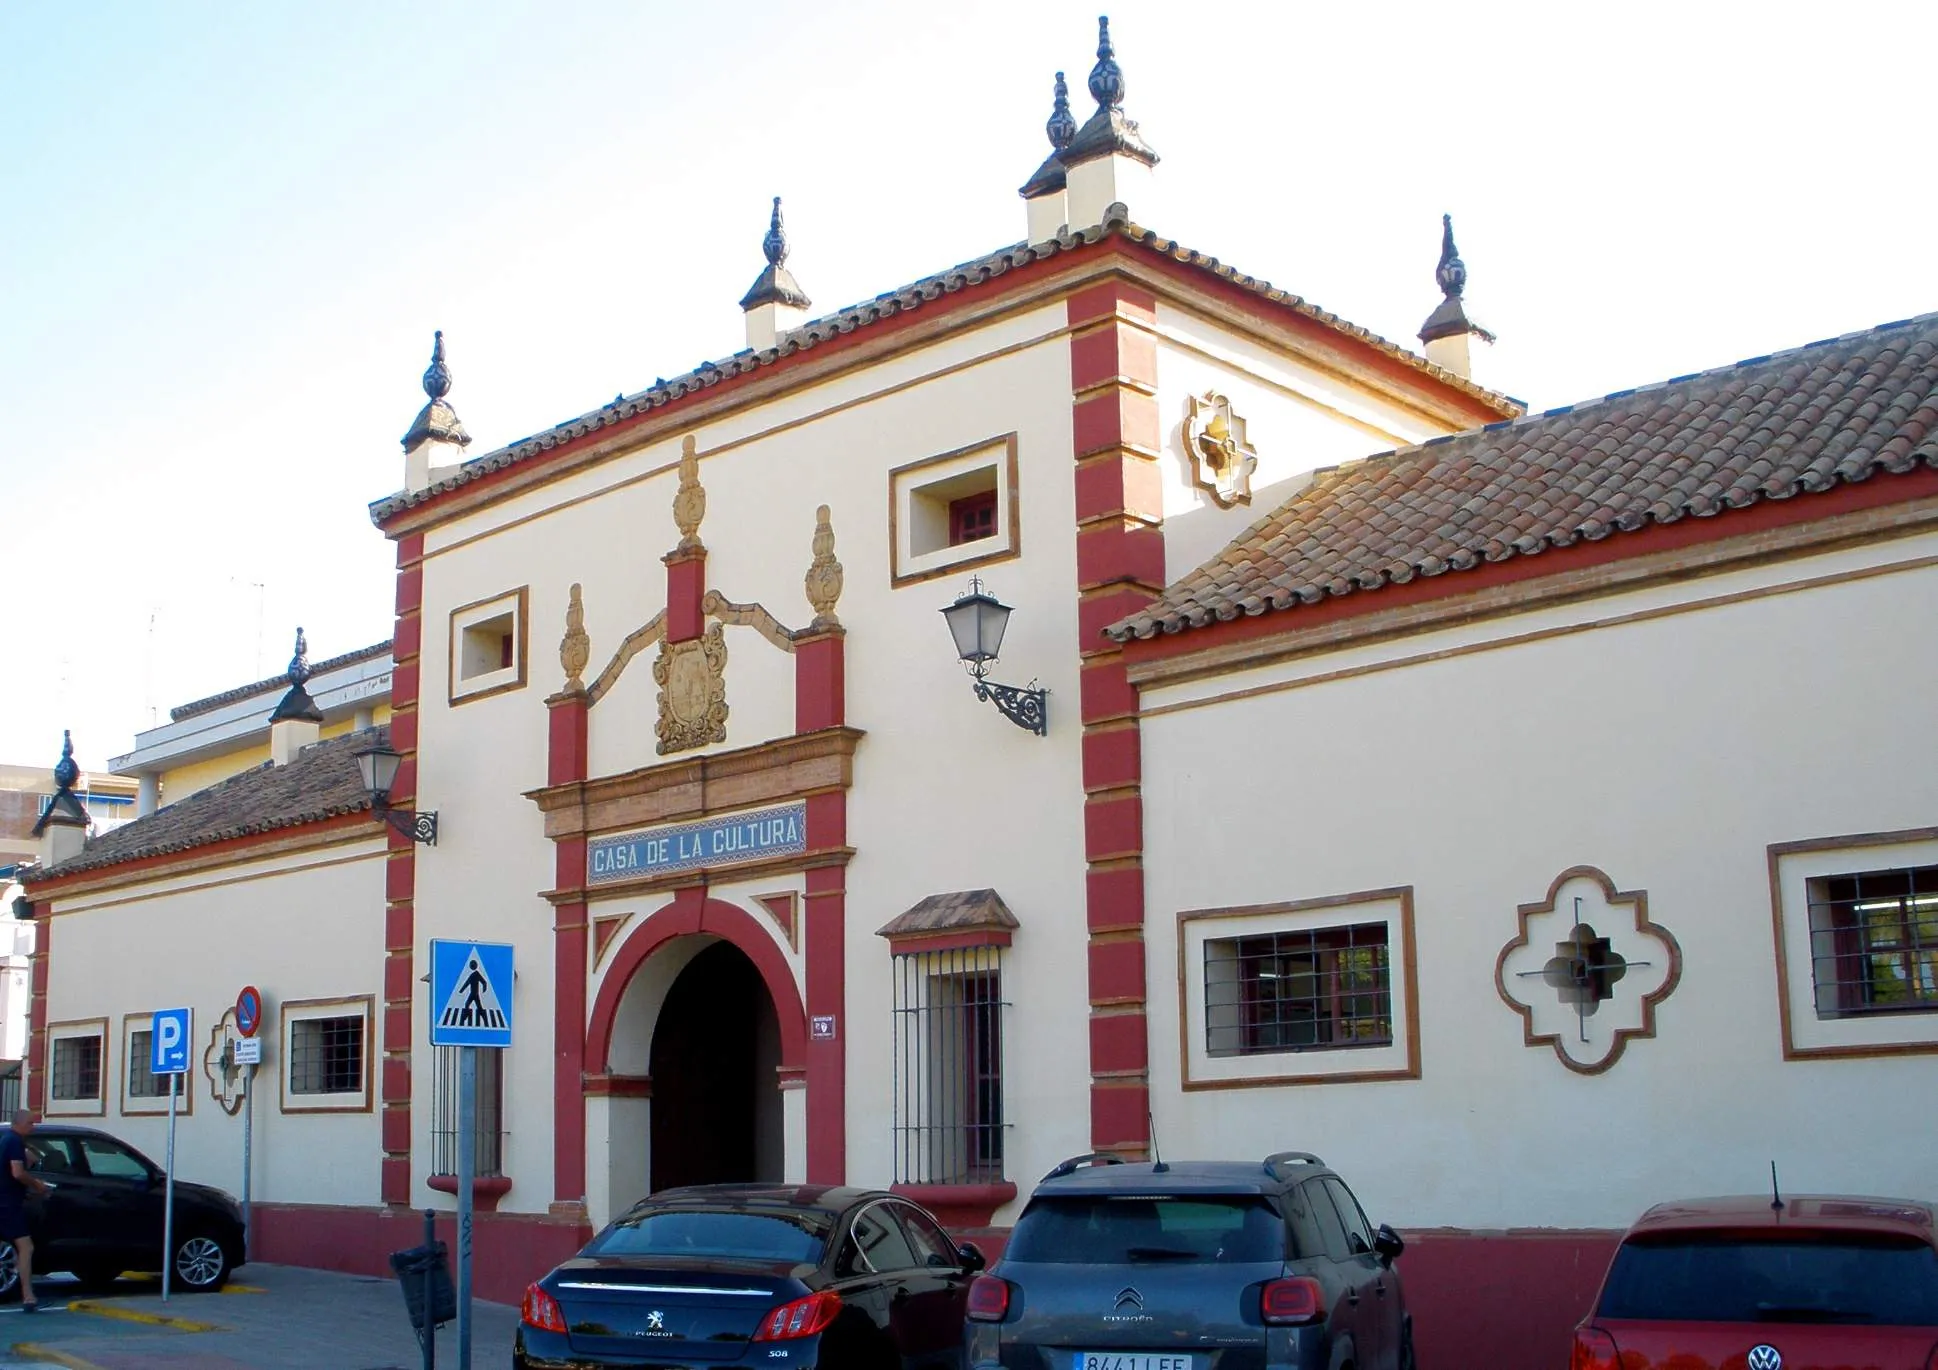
[1191, 1266]
[770, 1275]
[1769, 1283]
[104, 1215]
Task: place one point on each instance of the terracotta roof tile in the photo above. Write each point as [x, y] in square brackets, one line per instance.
[275, 683]
[321, 783]
[896, 302]
[1796, 423]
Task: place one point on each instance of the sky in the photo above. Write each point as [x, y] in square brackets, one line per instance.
[227, 233]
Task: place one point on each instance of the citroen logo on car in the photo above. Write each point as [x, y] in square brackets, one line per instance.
[1129, 1298]
[1764, 1357]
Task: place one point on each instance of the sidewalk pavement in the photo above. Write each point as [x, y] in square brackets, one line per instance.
[275, 1317]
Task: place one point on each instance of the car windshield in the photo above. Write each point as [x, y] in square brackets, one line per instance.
[796, 1238]
[1832, 1277]
[1147, 1229]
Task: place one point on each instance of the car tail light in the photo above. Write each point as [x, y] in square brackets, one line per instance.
[541, 1310]
[988, 1299]
[1287, 1302]
[802, 1318]
[1594, 1350]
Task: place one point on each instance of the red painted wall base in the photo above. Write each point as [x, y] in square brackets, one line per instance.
[1506, 1300]
[508, 1250]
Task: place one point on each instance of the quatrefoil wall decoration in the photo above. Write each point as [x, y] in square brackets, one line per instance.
[1587, 969]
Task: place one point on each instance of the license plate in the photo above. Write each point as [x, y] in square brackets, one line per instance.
[1132, 1360]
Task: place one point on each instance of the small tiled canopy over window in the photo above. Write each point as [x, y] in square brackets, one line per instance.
[1874, 942]
[76, 1072]
[947, 1022]
[1298, 991]
[488, 1157]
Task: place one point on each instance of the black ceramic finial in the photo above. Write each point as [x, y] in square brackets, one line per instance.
[1062, 126]
[437, 377]
[1106, 78]
[299, 664]
[65, 771]
[1452, 272]
[775, 243]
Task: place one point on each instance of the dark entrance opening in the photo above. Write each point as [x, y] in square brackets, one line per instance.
[716, 1110]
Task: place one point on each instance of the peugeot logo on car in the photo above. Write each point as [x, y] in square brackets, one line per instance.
[1764, 1357]
[655, 1321]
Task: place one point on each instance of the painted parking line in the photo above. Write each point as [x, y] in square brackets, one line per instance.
[121, 1314]
[53, 1357]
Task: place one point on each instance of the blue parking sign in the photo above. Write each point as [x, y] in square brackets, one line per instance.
[168, 1041]
[470, 994]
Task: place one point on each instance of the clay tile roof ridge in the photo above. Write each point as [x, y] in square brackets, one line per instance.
[975, 271]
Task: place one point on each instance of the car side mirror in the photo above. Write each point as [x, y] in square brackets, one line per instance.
[1387, 1244]
[971, 1256]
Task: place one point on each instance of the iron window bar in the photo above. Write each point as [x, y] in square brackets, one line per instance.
[946, 1106]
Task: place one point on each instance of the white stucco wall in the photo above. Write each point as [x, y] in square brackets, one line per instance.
[301, 926]
[1670, 751]
[947, 795]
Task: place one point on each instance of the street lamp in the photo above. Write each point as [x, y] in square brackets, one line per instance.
[378, 767]
[976, 621]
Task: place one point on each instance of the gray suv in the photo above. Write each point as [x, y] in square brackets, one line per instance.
[1196, 1265]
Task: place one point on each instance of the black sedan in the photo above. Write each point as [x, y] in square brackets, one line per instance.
[771, 1275]
[102, 1215]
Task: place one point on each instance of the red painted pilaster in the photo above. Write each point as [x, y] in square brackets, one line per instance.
[686, 591]
[566, 762]
[820, 680]
[826, 947]
[1116, 431]
[400, 882]
[37, 1012]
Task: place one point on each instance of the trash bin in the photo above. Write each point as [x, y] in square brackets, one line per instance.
[425, 1275]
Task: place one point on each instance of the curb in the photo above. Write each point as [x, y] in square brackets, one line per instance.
[49, 1354]
[119, 1314]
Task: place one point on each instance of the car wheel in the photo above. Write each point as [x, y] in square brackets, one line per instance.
[200, 1263]
[95, 1278]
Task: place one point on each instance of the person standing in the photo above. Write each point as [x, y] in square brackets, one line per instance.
[16, 1183]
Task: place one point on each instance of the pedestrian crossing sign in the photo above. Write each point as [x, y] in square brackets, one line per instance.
[471, 986]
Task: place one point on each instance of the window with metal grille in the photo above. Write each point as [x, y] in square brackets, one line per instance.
[77, 1068]
[1298, 991]
[488, 1157]
[948, 1066]
[143, 1083]
[1874, 942]
[326, 1055]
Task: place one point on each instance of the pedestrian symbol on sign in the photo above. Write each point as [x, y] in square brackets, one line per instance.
[473, 1002]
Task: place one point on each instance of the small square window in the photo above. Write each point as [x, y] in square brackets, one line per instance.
[77, 1069]
[954, 511]
[488, 646]
[1874, 942]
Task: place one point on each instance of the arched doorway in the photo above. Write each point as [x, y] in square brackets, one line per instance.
[716, 1112]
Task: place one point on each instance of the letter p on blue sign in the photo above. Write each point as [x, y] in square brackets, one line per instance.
[168, 1043]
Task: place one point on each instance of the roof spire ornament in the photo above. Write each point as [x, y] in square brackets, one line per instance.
[1452, 272]
[1063, 125]
[437, 421]
[65, 771]
[296, 702]
[437, 376]
[1106, 78]
[775, 243]
[776, 284]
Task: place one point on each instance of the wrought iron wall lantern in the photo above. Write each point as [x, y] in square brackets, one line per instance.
[378, 767]
[976, 621]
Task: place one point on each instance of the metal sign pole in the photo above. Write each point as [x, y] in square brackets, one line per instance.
[467, 1170]
[168, 1190]
[248, 1129]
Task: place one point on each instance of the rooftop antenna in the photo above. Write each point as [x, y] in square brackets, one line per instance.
[1158, 1168]
[1776, 1194]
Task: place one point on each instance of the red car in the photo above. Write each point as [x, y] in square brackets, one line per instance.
[1807, 1282]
